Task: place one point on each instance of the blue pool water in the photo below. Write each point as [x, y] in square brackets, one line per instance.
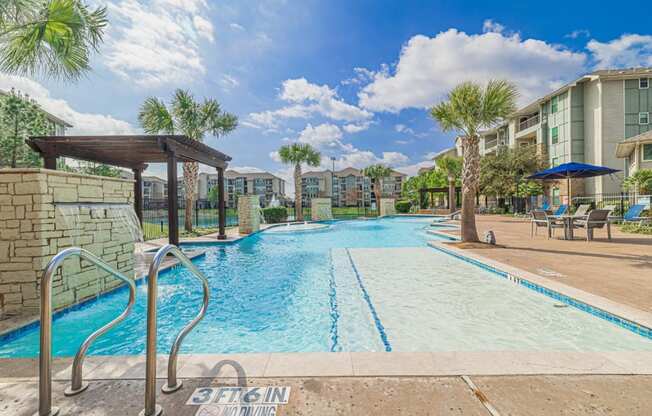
[351, 287]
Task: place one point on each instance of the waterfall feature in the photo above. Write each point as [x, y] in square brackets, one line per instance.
[261, 215]
[83, 218]
[274, 203]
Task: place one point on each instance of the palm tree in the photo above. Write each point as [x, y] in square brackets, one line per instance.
[468, 109]
[192, 119]
[54, 37]
[296, 154]
[377, 173]
[452, 166]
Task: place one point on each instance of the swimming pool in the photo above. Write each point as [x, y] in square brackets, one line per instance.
[361, 285]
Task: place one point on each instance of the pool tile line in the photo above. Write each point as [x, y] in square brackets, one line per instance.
[372, 309]
[332, 301]
[568, 300]
[14, 333]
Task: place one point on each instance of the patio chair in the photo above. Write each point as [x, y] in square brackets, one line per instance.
[597, 218]
[541, 219]
[633, 214]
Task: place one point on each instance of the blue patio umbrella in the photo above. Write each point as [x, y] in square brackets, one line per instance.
[572, 170]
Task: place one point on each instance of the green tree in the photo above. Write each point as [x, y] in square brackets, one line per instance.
[377, 173]
[193, 119]
[468, 109]
[213, 196]
[435, 178]
[452, 166]
[501, 172]
[53, 37]
[20, 117]
[296, 154]
[640, 181]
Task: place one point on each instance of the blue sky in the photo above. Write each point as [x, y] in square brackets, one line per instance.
[353, 78]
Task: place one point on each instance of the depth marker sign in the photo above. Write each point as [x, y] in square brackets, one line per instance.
[239, 401]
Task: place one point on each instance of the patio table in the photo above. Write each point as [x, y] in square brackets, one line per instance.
[568, 224]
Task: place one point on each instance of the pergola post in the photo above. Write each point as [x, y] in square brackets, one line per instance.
[138, 194]
[221, 235]
[173, 209]
[50, 162]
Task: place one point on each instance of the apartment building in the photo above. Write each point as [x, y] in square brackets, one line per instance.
[455, 151]
[236, 183]
[154, 187]
[583, 121]
[347, 187]
[637, 152]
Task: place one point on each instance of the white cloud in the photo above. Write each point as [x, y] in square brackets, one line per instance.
[403, 142]
[626, 51]
[428, 68]
[356, 128]
[228, 82]
[412, 170]
[236, 26]
[578, 33]
[155, 42]
[324, 137]
[306, 99]
[402, 128]
[83, 123]
[491, 26]
[362, 76]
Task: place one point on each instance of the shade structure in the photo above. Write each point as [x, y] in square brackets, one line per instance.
[572, 170]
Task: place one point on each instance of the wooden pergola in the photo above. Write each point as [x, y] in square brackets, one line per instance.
[426, 194]
[135, 152]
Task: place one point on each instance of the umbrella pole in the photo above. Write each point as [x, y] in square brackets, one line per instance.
[568, 189]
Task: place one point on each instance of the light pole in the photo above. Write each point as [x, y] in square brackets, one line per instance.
[333, 181]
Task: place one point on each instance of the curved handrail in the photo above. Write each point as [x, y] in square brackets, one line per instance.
[151, 408]
[45, 356]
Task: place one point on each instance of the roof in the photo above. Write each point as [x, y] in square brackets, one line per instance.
[49, 116]
[443, 152]
[133, 152]
[626, 147]
[261, 174]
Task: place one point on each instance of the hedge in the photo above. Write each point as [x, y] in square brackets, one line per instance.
[274, 215]
[403, 207]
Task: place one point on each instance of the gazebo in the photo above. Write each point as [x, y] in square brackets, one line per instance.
[135, 152]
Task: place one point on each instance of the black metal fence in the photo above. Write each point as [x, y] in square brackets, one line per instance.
[205, 215]
[338, 212]
[619, 201]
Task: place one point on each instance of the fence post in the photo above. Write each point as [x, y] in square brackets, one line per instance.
[622, 203]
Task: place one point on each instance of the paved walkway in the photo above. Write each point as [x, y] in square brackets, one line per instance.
[619, 270]
[325, 396]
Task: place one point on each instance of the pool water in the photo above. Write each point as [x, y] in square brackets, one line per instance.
[360, 285]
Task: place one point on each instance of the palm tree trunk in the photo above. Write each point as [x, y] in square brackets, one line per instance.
[452, 203]
[298, 207]
[470, 179]
[190, 172]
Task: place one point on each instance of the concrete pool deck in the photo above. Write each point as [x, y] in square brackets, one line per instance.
[619, 270]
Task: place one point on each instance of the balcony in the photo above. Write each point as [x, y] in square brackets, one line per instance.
[528, 127]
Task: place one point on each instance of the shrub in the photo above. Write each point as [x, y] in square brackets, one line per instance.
[403, 206]
[275, 214]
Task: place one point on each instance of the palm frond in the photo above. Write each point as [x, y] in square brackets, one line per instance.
[154, 117]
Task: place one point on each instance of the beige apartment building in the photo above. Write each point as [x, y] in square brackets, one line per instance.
[347, 187]
[236, 183]
[584, 121]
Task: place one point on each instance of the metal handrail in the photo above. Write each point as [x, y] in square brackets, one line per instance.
[45, 357]
[172, 385]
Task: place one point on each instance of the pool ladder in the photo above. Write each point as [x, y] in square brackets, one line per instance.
[77, 384]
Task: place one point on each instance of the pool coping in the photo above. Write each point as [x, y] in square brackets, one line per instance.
[347, 364]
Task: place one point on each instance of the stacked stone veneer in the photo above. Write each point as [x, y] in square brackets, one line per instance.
[387, 206]
[321, 209]
[32, 230]
[249, 214]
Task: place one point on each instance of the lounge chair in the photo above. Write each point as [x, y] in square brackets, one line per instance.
[597, 218]
[633, 214]
[540, 219]
[582, 210]
[561, 210]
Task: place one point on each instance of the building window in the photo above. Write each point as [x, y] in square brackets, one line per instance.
[554, 135]
[644, 83]
[555, 161]
[647, 152]
[643, 118]
[554, 105]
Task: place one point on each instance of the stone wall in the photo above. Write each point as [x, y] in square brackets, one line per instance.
[248, 214]
[387, 206]
[33, 229]
[321, 209]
